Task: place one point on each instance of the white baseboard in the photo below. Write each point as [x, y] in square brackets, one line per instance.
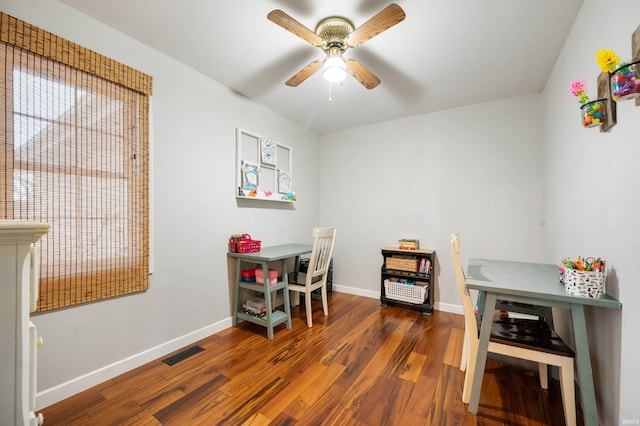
[448, 307]
[86, 381]
[357, 291]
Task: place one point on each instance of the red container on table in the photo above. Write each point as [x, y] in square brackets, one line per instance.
[244, 244]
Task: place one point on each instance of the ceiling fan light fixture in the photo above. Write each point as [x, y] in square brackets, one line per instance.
[335, 70]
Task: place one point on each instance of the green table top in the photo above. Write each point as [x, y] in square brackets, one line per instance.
[534, 280]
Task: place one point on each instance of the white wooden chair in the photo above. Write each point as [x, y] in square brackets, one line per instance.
[527, 339]
[316, 275]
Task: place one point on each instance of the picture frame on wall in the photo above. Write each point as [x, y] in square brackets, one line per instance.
[250, 175]
[284, 182]
[268, 151]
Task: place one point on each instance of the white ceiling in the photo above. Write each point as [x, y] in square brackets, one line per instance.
[445, 54]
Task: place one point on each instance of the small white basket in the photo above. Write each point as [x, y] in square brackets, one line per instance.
[585, 283]
[398, 290]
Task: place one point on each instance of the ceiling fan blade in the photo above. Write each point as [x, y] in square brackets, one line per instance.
[382, 21]
[288, 23]
[362, 74]
[304, 73]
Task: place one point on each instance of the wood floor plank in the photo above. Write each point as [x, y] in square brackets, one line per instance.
[413, 367]
[447, 407]
[188, 408]
[362, 365]
[259, 420]
[308, 396]
[143, 418]
[382, 363]
[74, 410]
[307, 377]
[454, 348]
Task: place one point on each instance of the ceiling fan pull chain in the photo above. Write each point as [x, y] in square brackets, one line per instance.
[330, 99]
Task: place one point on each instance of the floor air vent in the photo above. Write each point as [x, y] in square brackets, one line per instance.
[183, 355]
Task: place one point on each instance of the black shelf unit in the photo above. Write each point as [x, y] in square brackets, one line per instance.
[405, 265]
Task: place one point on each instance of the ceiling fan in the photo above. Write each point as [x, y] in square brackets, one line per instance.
[334, 36]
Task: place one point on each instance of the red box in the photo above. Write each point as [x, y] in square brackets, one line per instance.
[249, 275]
[273, 276]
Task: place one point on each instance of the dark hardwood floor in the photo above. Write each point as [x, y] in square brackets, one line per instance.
[361, 365]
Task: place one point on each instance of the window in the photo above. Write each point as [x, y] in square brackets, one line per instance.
[74, 154]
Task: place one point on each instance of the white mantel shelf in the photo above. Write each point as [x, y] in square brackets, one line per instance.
[21, 231]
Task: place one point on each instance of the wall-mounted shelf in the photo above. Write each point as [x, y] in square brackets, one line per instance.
[263, 169]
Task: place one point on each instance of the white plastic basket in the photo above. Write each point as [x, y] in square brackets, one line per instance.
[585, 283]
[398, 290]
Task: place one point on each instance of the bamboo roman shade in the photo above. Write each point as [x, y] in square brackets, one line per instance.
[74, 154]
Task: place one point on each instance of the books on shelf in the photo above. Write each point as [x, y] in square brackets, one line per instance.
[255, 307]
[425, 267]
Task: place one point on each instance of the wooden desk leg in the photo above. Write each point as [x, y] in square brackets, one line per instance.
[583, 359]
[236, 300]
[285, 293]
[267, 300]
[481, 358]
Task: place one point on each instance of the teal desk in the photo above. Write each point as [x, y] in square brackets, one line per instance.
[537, 284]
[262, 259]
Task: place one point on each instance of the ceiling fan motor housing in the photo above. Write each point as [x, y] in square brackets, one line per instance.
[333, 31]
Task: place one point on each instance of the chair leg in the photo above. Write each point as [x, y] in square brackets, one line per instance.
[295, 297]
[325, 305]
[468, 377]
[464, 358]
[567, 388]
[543, 372]
[308, 307]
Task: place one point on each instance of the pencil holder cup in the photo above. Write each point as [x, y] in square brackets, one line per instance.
[584, 283]
[625, 81]
[593, 113]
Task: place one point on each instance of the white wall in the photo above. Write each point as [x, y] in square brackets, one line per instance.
[474, 170]
[194, 213]
[593, 198]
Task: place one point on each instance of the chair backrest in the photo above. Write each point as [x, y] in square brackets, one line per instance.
[471, 326]
[323, 239]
